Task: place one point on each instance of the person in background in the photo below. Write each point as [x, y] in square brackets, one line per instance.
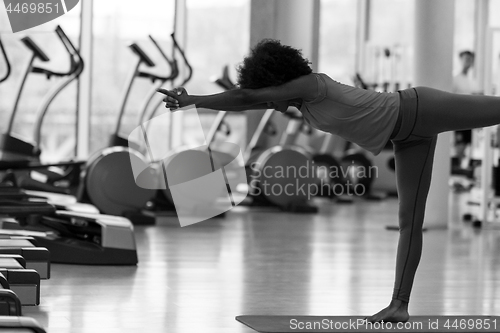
[464, 83]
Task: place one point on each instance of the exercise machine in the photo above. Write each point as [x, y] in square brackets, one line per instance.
[329, 170]
[70, 237]
[21, 157]
[37, 258]
[184, 81]
[25, 283]
[288, 156]
[282, 187]
[108, 181]
[174, 73]
[162, 204]
[10, 305]
[20, 324]
[21, 165]
[14, 275]
[14, 148]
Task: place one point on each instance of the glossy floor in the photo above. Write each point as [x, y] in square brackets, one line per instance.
[337, 262]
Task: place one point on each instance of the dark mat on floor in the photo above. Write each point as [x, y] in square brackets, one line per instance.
[326, 324]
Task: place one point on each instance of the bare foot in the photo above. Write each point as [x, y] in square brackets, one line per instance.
[397, 311]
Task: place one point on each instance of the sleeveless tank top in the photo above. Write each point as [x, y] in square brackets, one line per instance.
[364, 117]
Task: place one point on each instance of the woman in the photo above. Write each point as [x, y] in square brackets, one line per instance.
[277, 76]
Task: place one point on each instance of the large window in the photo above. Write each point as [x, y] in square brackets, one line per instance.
[117, 24]
[337, 47]
[213, 34]
[58, 132]
[217, 36]
[494, 13]
[465, 31]
[386, 53]
[389, 49]
[372, 39]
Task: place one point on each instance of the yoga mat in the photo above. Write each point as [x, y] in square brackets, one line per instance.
[327, 324]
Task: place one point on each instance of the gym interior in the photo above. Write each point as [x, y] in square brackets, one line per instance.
[93, 235]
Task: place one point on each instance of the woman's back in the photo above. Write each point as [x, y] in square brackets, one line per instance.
[364, 117]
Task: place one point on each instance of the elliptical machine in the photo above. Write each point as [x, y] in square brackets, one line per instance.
[22, 157]
[13, 148]
[108, 179]
[71, 237]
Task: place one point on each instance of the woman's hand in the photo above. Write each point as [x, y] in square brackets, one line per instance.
[175, 99]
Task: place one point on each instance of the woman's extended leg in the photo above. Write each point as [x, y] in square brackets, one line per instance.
[440, 111]
[414, 158]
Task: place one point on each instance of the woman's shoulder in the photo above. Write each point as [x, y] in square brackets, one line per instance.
[313, 77]
[308, 85]
[316, 86]
[327, 79]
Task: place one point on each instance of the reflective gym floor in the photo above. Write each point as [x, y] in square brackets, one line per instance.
[337, 262]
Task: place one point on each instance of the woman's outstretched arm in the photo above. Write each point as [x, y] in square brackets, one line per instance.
[304, 87]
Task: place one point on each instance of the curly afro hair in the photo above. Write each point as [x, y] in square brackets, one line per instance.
[271, 64]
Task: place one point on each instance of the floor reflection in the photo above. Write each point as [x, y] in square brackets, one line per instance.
[338, 262]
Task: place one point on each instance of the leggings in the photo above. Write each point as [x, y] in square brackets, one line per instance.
[424, 113]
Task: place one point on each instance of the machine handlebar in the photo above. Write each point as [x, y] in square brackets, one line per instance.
[142, 55]
[186, 62]
[174, 68]
[30, 44]
[7, 62]
[75, 57]
[173, 64]
[76, 61]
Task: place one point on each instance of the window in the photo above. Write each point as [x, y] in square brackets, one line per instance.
[494, 10]
[117, 24]
[384, 55]
[389, 50]
[337, 46]
[464, 30]
[217, 35]
[210, 43]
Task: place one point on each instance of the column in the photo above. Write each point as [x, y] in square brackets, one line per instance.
[85, 82]
[294, 23]
[433, 66]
